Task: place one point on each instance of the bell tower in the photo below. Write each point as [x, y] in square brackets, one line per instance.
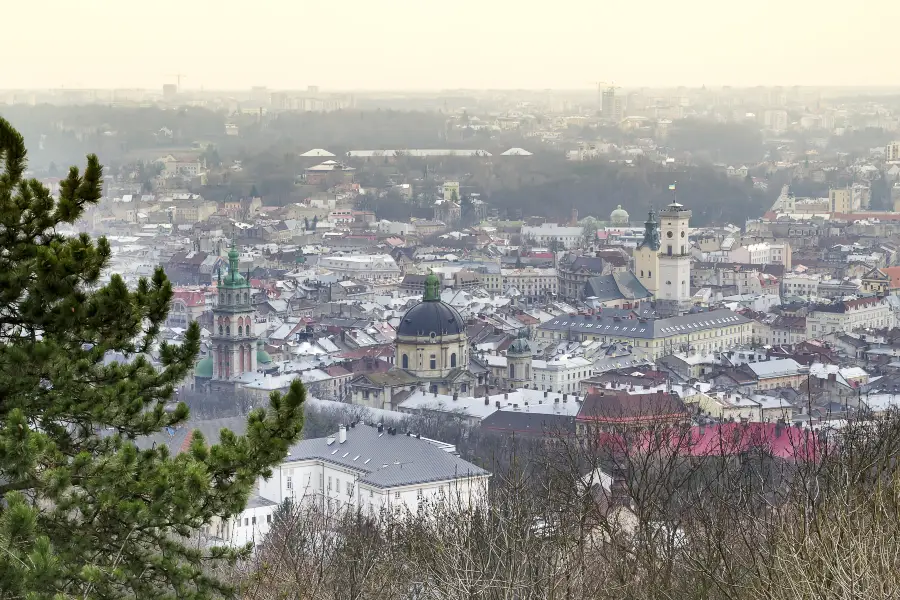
[674, 295]
[646, 255]
[233, 340]
[518, 362]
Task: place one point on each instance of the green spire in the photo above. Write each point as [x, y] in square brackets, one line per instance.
[233, 260]
[432, 288]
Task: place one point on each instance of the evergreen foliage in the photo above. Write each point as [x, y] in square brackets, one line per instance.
[85, 513]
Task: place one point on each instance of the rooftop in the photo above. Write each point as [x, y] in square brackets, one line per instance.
[384, 460]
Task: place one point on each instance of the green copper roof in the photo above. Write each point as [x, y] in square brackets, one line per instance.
[204, 368]
[432, 288]
[234, 279]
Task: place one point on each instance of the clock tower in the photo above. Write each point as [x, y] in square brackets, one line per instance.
[674, 294]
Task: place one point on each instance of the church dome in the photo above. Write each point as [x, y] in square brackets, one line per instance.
[619, 216]
[262, 357]
[520, 345]
[431, 316]
[426, 318]
[204, 368]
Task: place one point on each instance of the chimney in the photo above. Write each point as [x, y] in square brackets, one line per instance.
[565, 396]
[435, 392]
[487, 401]
[380, 428]
[497, 404]
[455, 396]
[505, 396]
[545, 393]
[556, 401]
[342, 434]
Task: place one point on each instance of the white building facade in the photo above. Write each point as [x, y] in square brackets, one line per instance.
[368, 267]
[543, 235]
[375, 469]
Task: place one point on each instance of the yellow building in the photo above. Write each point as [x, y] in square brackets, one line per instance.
[841, 201]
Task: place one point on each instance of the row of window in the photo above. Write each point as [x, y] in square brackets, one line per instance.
[432, 361]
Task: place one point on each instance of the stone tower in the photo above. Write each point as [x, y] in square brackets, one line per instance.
[674, 295]
[518, 362]
[233, 340]
[646, 255]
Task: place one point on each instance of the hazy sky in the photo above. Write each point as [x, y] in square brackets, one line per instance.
[431, 44]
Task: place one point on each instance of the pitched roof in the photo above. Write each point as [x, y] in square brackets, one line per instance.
[622, 407]
[385, 460]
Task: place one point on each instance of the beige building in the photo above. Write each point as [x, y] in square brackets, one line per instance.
[844, 317]
[652, 339]
[529, 281]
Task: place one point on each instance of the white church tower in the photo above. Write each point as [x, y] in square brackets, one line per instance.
[674, 294]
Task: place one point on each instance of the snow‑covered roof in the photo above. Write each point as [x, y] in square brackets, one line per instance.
[316, 152]
[516, 152]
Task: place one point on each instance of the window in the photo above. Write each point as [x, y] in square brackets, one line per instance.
[227, 330]
[371, 494]
[246, 522]
[404, 360]
[290, 484]
[396, 495]
[512, 371]
[254, 521]
[419, 494]
[321, 478]
[329, 483]
[433, 362]
[453, 360]
[268, 518]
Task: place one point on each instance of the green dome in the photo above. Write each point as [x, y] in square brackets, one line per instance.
[204, 368]
[520, 346]
[262, 357]
[620, 215]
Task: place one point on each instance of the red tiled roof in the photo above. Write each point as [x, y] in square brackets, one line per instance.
[190, 297]
[728, 439]
[337, 371]
[894, 274]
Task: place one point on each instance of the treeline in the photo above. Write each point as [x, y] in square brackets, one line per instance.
[744, 520]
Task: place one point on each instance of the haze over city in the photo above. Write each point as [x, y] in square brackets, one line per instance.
[411, 44]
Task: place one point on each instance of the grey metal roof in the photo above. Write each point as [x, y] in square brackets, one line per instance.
[617, 326]
[617, 286]
[384, 460]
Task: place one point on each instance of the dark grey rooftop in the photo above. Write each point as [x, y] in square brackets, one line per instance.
[384, 460]
[609, 325]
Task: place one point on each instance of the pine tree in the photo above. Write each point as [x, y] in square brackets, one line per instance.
[84, 513]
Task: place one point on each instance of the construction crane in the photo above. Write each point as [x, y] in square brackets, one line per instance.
[177, 77]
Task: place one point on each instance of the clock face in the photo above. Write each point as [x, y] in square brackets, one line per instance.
[669, 234]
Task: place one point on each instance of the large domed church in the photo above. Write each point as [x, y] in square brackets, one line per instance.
[431, 353]
[432, 344]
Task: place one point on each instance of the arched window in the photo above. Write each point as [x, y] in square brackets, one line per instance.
[453, 360]
[642, 272]
[227, 330]
[246, 297]
[512, 371]
[405, 361]
[220, 329]
[240, 331]
[229, 298]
